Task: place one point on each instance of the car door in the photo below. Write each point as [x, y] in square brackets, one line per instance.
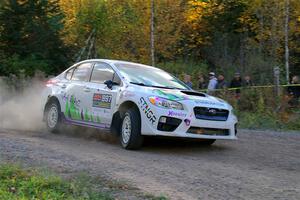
[103, 98]
[75, 97]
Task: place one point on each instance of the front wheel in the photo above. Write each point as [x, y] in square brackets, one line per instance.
[130, 136]
[53, 117]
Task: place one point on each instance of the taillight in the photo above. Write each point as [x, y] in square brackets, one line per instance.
[51, 82]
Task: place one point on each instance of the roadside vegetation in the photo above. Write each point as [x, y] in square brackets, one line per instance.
[24, 183]
[17, 183]
[261, 108]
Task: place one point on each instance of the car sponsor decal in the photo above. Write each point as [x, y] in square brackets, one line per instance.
[147, 110]
[168, 95]
[72, 107]
[176, 114]
[102, 100]
[209, 103]
[74, 112]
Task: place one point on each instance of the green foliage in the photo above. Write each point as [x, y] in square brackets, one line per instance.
[179, 68]
[30, 31]
[225, 35]
[28, 184]
[28, 65]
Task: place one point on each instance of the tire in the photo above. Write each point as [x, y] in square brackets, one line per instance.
[53, 117]
[130, 131]
[208, 142]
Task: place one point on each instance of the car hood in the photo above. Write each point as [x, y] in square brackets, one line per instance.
[186, 96]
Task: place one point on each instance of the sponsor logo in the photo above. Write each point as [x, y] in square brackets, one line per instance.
[71, 98]
[147, 110]
[212, 111]
[176, 114]
[209, 103]
[102, 100]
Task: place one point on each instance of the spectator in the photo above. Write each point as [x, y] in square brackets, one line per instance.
[247, 81]
[201, 82]
[221, 82]
[187, 80]
[212, 84]
[294, 91]
[236, 83]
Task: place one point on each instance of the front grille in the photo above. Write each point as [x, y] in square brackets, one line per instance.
[208, 131]
[214, 114]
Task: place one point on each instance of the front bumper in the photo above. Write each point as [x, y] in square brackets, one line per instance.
[191, 127]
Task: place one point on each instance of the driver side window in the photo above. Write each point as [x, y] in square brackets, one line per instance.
[101, 73]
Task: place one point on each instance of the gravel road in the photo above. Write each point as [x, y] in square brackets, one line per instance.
[260, 165]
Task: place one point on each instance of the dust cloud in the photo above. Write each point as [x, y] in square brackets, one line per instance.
[21, 106]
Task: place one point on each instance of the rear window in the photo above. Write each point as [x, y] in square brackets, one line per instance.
[82, 72]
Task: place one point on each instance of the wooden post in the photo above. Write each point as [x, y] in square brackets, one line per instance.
[276, 71]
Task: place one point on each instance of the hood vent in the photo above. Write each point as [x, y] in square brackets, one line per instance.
[194, 93]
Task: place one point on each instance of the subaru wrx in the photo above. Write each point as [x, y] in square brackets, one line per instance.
[134, 100]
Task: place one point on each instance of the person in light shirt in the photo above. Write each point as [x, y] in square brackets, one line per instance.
[212, 84]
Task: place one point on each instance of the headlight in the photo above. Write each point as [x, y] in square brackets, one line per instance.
[165, 103]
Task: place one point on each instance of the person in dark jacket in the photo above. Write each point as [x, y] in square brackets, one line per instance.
[236, 83]
[222, 84]
[187, 80]
[201, 82]
[294, 91]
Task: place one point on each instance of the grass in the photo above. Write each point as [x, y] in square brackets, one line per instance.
[17, 183]
[29, 184]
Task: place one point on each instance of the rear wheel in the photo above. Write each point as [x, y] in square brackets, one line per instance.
[53, 118]
[130, 136]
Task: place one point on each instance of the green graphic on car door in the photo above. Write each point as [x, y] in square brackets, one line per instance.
[74, 112]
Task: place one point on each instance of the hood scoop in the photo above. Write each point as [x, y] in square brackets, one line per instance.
[193, 93]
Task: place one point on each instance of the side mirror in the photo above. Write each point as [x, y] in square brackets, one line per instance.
[110, 83]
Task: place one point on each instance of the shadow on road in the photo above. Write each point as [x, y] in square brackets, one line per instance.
[151, 144]
[167, 144]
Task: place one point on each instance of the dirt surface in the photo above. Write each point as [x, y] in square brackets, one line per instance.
[260, 165]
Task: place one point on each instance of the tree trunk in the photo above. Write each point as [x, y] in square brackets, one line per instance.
[286, 34]
[152, 34]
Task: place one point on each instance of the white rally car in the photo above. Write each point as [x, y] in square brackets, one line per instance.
[134, 100]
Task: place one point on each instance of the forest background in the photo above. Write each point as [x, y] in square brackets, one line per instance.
[190, 36]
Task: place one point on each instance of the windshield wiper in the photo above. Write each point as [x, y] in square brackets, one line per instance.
[142, 84]
[156, 86]
[166, 87]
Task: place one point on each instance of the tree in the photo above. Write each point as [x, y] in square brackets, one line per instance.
[31, 30]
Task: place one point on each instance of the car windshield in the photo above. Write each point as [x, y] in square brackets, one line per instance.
[149, 76]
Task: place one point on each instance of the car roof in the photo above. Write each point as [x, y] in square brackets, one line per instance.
[118, 62]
